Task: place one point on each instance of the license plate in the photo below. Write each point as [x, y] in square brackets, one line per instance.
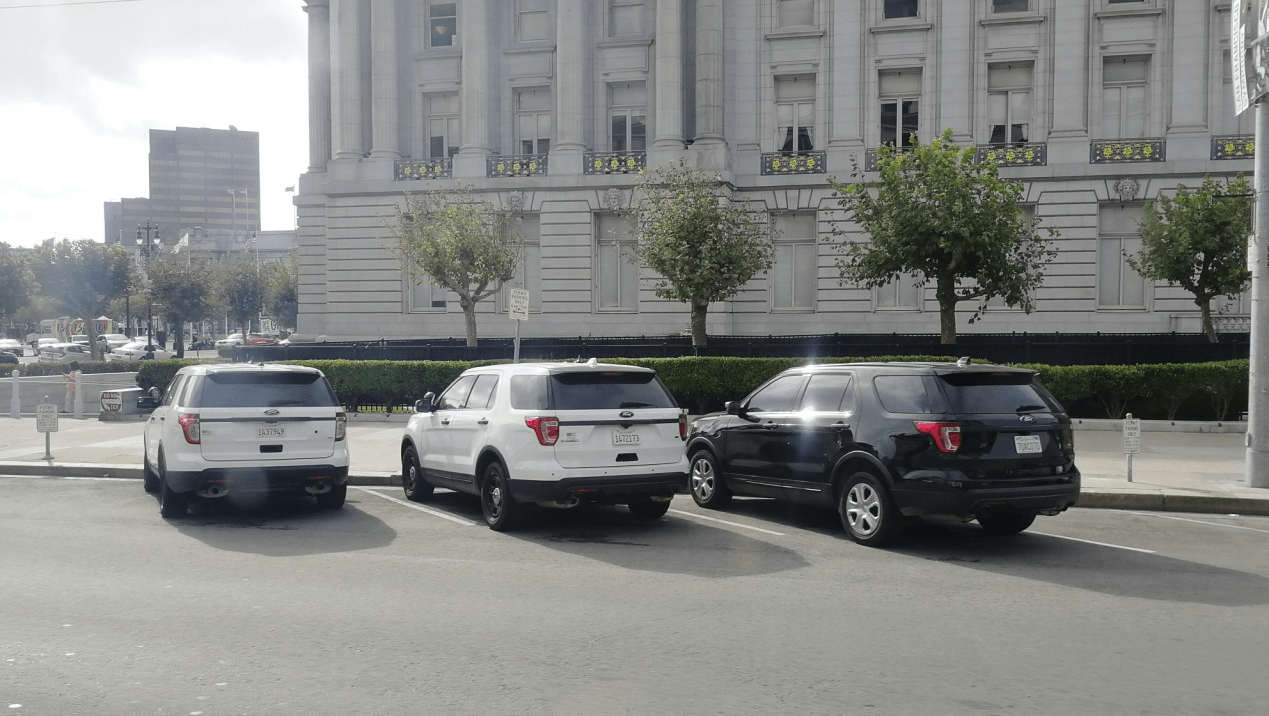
[1025, 444]
[271, 431]
[620, 438]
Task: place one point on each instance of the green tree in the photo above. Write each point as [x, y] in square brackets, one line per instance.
[703, 243]
[1198, 240]
[17, 282]
[239, 290]
[282, 299]
[459, 241]
[183, 290]
[938, 216]
[84, 277]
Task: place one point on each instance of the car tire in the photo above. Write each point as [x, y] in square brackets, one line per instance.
[171, 503]
[334, 499]
[149, 480]
[1004, 523]
[867, 512]
[500, 509]
[417, 489]
[649, 509]
[706, 481]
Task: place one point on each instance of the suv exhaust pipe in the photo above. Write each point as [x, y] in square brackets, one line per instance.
[318, 489]
[213, 492]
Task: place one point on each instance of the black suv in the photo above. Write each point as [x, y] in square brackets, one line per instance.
[883, 442]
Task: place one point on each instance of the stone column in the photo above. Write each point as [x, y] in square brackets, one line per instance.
[346, 80]
[319, 107]
[669, 76]
[383, 80]
[1189, 67]
[476, 94]
[1070, 70]
[951, 74]
[709, 72]
[570, 87]
[846, 78]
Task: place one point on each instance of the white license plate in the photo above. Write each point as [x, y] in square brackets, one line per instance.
[271, 431]
[621, 438]
[1026, 444]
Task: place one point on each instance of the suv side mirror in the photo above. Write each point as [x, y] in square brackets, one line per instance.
[735, 407]
[425, 405]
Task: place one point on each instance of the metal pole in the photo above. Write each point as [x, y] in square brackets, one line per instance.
[1257, 465]
[15, 402]
[516, 357]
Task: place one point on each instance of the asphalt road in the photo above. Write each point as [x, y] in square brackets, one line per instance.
[387, 607]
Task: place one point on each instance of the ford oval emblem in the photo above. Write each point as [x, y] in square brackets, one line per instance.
[271, 411]
[1026, 418]
[627, 414]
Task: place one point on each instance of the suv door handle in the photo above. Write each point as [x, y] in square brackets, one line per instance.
[769, 425]
[483, 421]
[444, 421]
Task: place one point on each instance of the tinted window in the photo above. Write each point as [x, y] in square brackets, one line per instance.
[907, 394]
[456, 394]
[482, 393]
[266, 389]
[609, 390]
[996, 393]
[828, 393]
[776, 396]
[528, 392]
[169, 395]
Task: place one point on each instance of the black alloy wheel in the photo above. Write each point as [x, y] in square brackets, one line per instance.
[417, 489]
[500, 509]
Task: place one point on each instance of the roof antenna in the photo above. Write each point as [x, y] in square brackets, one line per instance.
[592, 362]
[964, 361]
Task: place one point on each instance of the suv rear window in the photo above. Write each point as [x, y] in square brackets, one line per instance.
[590, 391]
[996, 393]
[908, 394]
[272, 390]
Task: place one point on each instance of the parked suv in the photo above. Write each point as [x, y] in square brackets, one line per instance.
[225, 429]
[553, 434]
[882, 442]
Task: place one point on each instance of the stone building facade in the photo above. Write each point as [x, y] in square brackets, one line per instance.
[552, 106]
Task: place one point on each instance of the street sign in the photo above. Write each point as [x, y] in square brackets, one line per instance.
[1238, 54]
[267, 326]
[1132, 436]
[520, 304]
[46, 418]
[111, 401]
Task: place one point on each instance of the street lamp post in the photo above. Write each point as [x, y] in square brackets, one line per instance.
[148, 244]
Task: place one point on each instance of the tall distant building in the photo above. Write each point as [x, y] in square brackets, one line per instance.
[199, 177]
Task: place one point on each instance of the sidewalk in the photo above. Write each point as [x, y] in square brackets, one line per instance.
[1185, 467]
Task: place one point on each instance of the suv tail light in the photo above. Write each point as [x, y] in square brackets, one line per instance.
[947, 436]
[547, 429]
[189, 426]
[682, 426]
[341, 425]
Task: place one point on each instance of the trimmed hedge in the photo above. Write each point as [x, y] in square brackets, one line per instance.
[1198, 391]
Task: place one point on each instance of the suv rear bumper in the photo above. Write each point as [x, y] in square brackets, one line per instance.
[258, 479]
[951, 493]
[601, 490]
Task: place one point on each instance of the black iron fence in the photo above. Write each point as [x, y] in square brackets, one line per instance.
[1047, 348]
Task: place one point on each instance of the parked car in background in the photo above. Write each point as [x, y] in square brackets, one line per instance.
[559, 435]
[64, 353]
[111, 341]
[7, 358]
[12, 346]
[228, 429]
[79, 338]
[137, 350]
[232, 340]
[885, 442]
[260, 339]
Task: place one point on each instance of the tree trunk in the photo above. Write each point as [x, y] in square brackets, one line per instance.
[1209, 327]
[945, 292]
[178, 336]
[469, 316]
[699, 311]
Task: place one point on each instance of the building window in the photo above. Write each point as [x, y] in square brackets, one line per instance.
[628, 117]
[795, 113]
[1118, 285]
[442, 24]
[795, 272]
[617, 277]
[795, 13]
[426, 296]
[1230, 121]
[1009, 103]
[1010, 5]
[626, 17]
[899, 8]
[533, 21]
[1124, 97]
[529, 272]
[444, 127]
[900, 107]
[533, 121]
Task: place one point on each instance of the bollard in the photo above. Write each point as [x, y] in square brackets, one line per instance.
[15, 402]
[79, 394]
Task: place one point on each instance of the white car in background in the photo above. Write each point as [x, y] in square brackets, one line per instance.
[137, 350]
[232, 340]
[11, 345]
[64, 353]
[111, 341]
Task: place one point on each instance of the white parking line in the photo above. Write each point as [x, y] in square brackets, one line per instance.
[1099, 544]
[1201, 522]
[55, 477]
[420, 508]
[725, 522]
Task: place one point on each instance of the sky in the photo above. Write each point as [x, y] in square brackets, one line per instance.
[83, 81]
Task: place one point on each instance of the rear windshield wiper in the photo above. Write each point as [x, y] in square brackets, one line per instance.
[635, 405]
[1028, 408]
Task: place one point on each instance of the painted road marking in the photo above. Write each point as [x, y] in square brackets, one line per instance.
[1201, 522]
[1099, 544]
[420, 508]
[725, 522]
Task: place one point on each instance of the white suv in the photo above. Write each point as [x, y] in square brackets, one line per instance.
[226, 429]
[553, 434]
